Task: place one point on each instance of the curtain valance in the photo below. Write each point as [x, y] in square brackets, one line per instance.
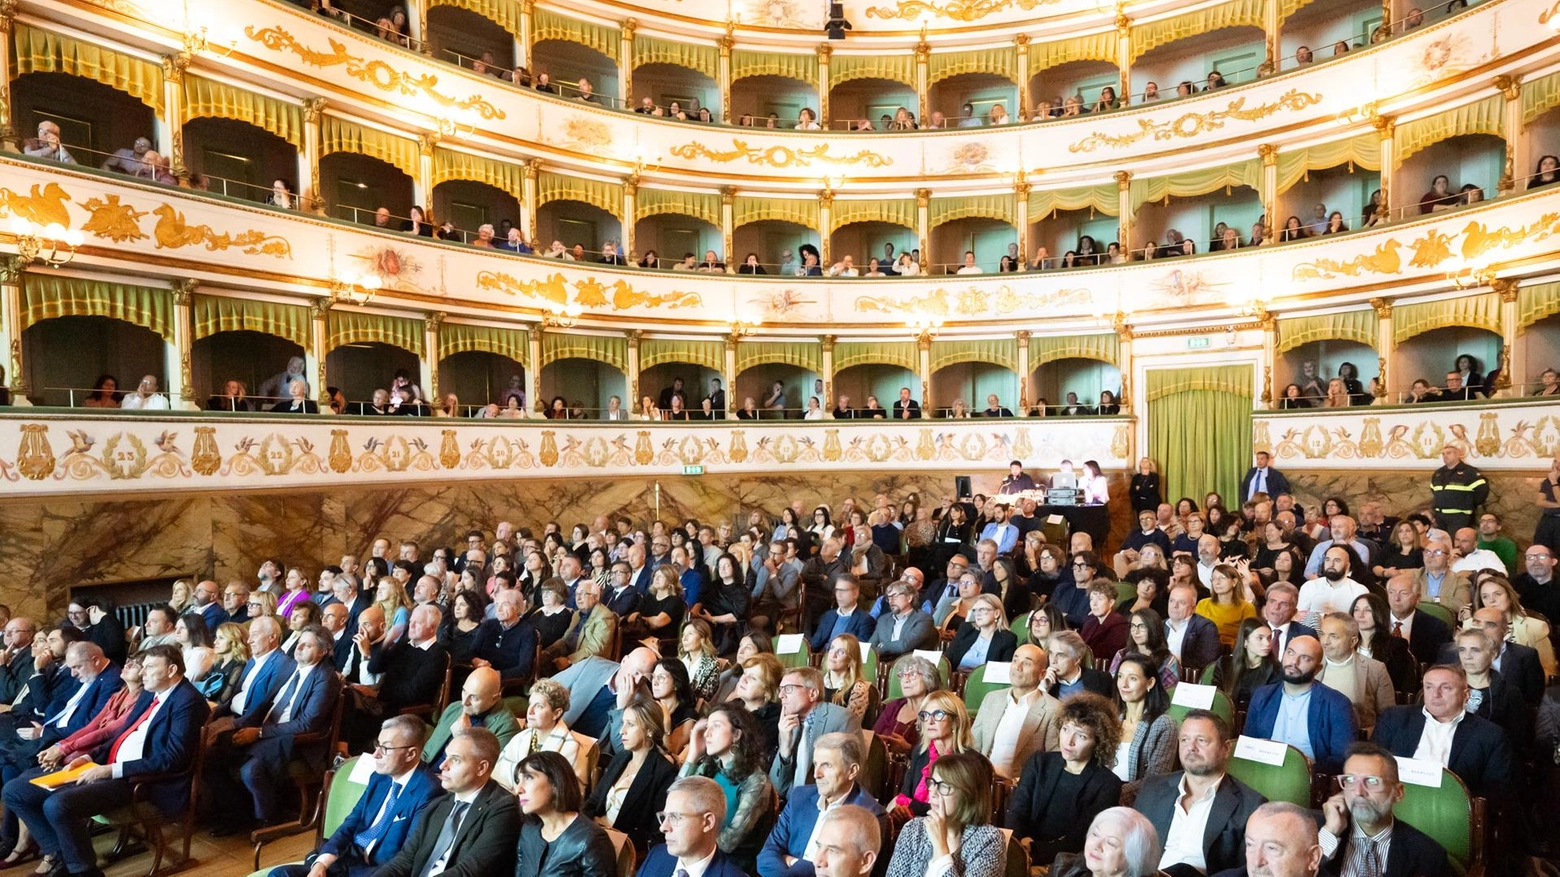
[1188, 184]
[1091, 47]
[1536, 302]
[1105, 347]
[463, 338]
[210, 314]
[207, 97]
[745, 63]
[996, 351]
[502, 175]
[46, 296]
[895, 211]
[339, 135]
[549, 25]
[1234, 379]
[504, 13]
[609, 349]
[802, 354]
[998, 62]
[558, 187]
[972, 206]
[1475, 311]
[904, 354]
[802, 211]
[1363, 150]
[1540, 95]
[1104, 198]
[1486, 116]
[1152, 34]
[1348, 326]
[657, 351]
[355, 327]
[654, 50]
[39, 51]
[894, 66]
[699, 205]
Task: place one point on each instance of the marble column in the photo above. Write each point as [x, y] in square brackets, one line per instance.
[1269, 184]
[634, 337]
[432, 322]
[723, 75]
[923, 86]
[173, 112]
[626, 62]
[630, 207]
[10, 138]
[1512, 357]
[1386, 127]
[1021, 69]
[824, 52]
[422, 187]
[1124, 216]
[533, 167]
[309, 156]
[12, 271]
[1516, 145]
[180, 378]
[319, 335]
[923, 226]
[828, 376]
[728, 226]
[1384, 345]
[1023, 373]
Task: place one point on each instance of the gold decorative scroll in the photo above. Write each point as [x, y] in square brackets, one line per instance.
[588, 293]
[172, 233]
[1194, 124]
[972, 302]
[956, 10]
[376, 73]
[779, 156]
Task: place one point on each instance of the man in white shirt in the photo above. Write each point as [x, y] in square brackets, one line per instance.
[1334, 591]
[475, 823]
[145, 397]
[1181, 805]
[1471, 558]
[694, 815]
[1207, 559]
[1015, 723]
[615, 409]
[969, 266]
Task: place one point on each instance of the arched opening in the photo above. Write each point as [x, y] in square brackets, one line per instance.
[771, 239]
[584, 381]
[94, 118]
[240, 160]
[982, 91]
[664, 83]
[973, 382]
[780, 96]
[354, 186]
[65, 355]
[870, 99]
[1321, 25]
[462, 37]
[576, 223]
[478, 377]
[1233, 52]
[800, 384]
[876, 379]
[470, 205]
[1328, 354]
[251, 358]
[569, 62]
[662, 377]
[1063, 232]
[1541, 342]
[1467, 159]
[1543, 138]
[988, 239]
[1050, 88]
[362, 367]
[864, 241]
[673, 235]
[1195, 217]
[1331, 189]
[1051, 382]
[1430, 355]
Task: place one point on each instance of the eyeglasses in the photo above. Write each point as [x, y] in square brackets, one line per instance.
[666, 817]
[938, 715]
[254, 603]
[1349, 781]
[790, 687]
[380, 747]
[1538, 558]
[941, 787]
[1137, 625]
[1435, 552]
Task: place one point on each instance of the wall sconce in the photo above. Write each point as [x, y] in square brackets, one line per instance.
[1472, 278]
[52, 244]
[561, 317]
[926, 327]
[355, 290]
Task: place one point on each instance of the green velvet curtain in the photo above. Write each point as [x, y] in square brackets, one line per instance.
[558, 187]
[339, 135]
[894, 66]
[1474, 311]
[1487, 116]
[1189, 184]
[46, 296]
[1166, 30]
[504, 13]
[802, 354]
[463, 338]
[1540, 95]
[656, 351]
[1003, 207]
[654, 50]
[1002, 61]
[746, 63]
[449, 164]
[896, 211]
[355, 327]
[1537, 302]
[1363, 150]
[1104, 198]
[39, 51]
[747, 208]
[1100, 46]
[610, 349]
[900, 353]
[996, 351]
[210, 314]
[1105, 347]
[548, 25]
[1199, 427]
[207, 97]
[699, 205]
[1348, 326]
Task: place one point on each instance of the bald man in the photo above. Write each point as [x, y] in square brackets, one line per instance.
[1015, 723]
[600, 689]
[481, 705]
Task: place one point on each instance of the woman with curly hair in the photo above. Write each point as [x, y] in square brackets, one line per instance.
[1059, 793]
[725, 747]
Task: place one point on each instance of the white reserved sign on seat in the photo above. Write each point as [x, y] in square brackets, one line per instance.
[1420, 772]
[929, 654]
[1259, 750]
[1193, 696]
[789, 643]
[999, 673]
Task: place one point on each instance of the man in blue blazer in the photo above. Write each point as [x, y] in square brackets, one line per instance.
[97, 679]
[160, 740]
[50, 685]
[1480, 754]
[373, 833]
[696, 812]
[1328, 726]
[305, 705]
[836, 766]
[847, 616]
[1197, 636]
[262, 677]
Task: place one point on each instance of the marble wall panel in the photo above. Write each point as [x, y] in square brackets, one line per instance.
[1511, 494]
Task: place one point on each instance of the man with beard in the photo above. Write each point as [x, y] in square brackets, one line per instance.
[1360, 832]
[1200, 811]
[1334, 591]
[1299, 711]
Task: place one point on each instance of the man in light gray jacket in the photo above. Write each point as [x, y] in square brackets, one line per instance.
[804, 717]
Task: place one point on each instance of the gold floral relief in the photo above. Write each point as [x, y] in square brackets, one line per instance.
[376, 73]
[554, 288]
[113, 220]
[972, 301]
[173, 232]
[590, 293]
[45, 204]
[1384, 260]
[956, 10]
[397, 268]
[969, 158]
[779, 156]
[780, 302]
[1193, 124]
[780, 13]
[582, 133]
[449, 449]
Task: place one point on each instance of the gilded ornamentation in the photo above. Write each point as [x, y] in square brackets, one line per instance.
[970, 158]
[1385, 260]
[174, 65]
[206, 458]
[549, 452]
[43, 205]
[1450, 54]
[972, 301]
[1370, 438]
[124, 462]
[1430, 250]
[739, 452]
[780, 302]
[1487, 441]
[582, 133]
[1187, 287]
[172, 232]
[779, 156]
[1194, 124]
[831, 445]
[1477, 240]
[956, 10]
[644, 452]
[1121, 441]
[590, 293]
[313, 109]
[34, 457]
[1023, 446]
[780, 13]
[114, 220]
[396, 268]
[553, 289]
[376, 73]
[925, 446]
[1260, 440]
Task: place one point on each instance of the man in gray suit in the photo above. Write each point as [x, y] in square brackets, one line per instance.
[903, 628]
[804, 717]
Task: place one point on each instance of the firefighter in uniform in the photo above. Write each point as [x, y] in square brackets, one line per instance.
[1457, 489]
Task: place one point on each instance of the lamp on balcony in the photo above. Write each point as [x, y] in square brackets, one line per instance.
[561, 317]
[926, 327]
[52, 244]
[354, 289]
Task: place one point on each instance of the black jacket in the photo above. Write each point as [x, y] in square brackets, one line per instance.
[410, 676]
[646, 797]
[1412, 854]
[581, 850]
[1481, 755]
[1224, 840]
[1035, 795]
[484, 843]
[1003, 643]
[1097, 681]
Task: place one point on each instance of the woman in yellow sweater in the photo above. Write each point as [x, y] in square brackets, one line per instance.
[1228, 607]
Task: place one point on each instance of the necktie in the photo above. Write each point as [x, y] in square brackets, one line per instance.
[1397, 628]
[281, 710]
[1371, 865]
[441, 847]
[680, 872]
[804, 754]
[113, 752]
[375, 832]
[1261, 481]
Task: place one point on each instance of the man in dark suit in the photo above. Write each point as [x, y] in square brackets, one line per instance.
[847, 616]
[1066, 675]
[1326, 727]
[503, 642]
[1192, 638]
[471, 829]
[906, 408]
[96, 680]
[208, 606]
[106, 630]
[700, 813]
[48, 688]
[374, 831]
[304, 705]
[1279, 612]
[837, 767]
[1263, 478]
[1205, 747]
[848, 843]
[1426, 634]
[1519, 664]
[16, 659]
[409, 671]
[1473, 748]
[1361, 811]
[161, 740]
[334, 619]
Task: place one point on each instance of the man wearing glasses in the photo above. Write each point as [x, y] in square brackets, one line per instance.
[1536, 586]
[235, 602]
[846, 617]
[904, 628]
[1360, 832]
[1438, 583]
[694, 815]
[804, 717]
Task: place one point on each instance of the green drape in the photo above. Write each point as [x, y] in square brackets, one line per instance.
[558, 187]
[1474, 311]
[1363, 150]
[40, 51]
[1104, 198]
[1287, 8]
[339, 135]
[802, 211]
[1189, 184]
[656, 351]
[46, 296]
[504, 13]
[1536, 302]
[895, 211]
[549, 25]
[1105, 347]
[207, 97]
[1093, 47]
[1199, 427]
[802, 354]
[699, 205]
[1148, 35]
[996, 351]
[1348, 326]
[746, 63]
[901, 353]
[1001, 207]
[210, 314]
[463, 338]
[355, 327]
[609, 349]
[1486, 116]
[1540, 95]
[693, 56]
[1002, 61]
[893, 66]
[502, 175]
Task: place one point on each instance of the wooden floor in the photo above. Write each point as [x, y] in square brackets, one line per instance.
[212, 857]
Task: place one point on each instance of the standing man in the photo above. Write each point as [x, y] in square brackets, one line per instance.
[1263, 478]
[1017, 480]
[1457, 489]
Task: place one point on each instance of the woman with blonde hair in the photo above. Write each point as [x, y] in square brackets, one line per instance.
[696, 650]
[181, 598]
[1495, 592]
[945, 730]
[391, 599]
[1337, 394]
[663, 609]
[263, 603]
[843, 682]
[633, 786]
[230, 652]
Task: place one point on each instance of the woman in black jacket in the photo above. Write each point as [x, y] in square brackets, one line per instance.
[633, 787]
[984, 637]
[1145, 490]
[1059, 793]
[556, 840]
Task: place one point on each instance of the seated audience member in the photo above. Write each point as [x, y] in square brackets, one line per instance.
[545, 731]
[1104, 629]
[1176, 803]
[1192, 638]
[1299, 711]
[847, 842]
[1014, 723]
[1372, 613]
[726, 747]
[604, 688]
[556, 839]
[1425, 634]
[409, 671]
[1358, 824]
[1442, 730]
[692, 823]
[1120, 843]
[632, 789]
[955, 836]
[1496, 598]
[837, 762]
[504, 643]
[1437, 582]
[481, 705]
[474, 823]
[589, 636]
[1061, 790]
[1519, 664]
[1335, 590]
[1360, 678]
[1281, 837]
[804, 717]
[984, 637]
[265, 673]
[1067, 675]
[898, 724]
[945, 729]
[47, 144]
[1147, 728]
[1253, 664]
[1490, 696]
[903, 628]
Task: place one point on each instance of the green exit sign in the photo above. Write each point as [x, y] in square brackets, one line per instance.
[1197, 343]
[693, 470]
